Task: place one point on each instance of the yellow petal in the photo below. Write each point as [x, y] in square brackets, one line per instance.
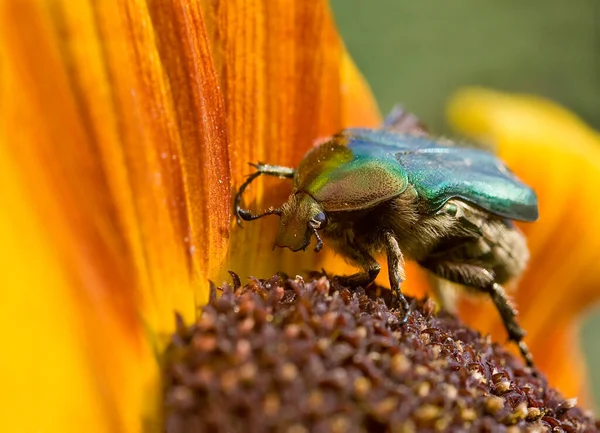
[116, 175]
[559, 156]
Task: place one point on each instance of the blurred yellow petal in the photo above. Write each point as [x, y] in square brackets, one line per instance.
[559, 156]
[125, 126]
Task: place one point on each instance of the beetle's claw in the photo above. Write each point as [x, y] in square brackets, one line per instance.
[244, 215]
[257, 165]
[319, 241]
[238, 216]
[526, 354]
[319, 246]
[405, 316]
[399, 297]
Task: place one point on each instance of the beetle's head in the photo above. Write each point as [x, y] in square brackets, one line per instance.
[301, 217]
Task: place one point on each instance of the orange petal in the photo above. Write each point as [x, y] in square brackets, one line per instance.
[559, 156]
[288, 81]
[116, 174]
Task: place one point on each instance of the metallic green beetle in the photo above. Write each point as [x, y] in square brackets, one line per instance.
[398, 190]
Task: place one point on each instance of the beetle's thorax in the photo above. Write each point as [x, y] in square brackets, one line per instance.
[294, 229]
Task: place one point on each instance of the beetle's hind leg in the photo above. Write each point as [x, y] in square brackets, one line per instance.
[508, 314]
[395, 260]
[482, 280]
[401, 120]
[269, 170]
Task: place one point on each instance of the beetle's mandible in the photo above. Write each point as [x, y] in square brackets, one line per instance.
[397, 190]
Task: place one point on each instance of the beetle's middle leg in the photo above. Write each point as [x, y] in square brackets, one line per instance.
[482, 280]
[361, 256]
[395, 260]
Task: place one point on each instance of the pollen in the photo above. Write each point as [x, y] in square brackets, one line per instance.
[335, 359]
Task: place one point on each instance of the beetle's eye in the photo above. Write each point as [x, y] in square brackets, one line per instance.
[320, 220]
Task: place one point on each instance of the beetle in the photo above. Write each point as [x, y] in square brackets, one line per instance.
[397, 189]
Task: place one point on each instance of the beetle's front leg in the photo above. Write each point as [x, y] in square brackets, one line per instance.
[269, 170]
[362, 257]
[396, 272]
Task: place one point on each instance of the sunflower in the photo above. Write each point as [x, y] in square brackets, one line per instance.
[125, 126]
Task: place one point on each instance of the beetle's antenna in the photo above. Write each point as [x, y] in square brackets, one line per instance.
[319, 241]
[270, 170]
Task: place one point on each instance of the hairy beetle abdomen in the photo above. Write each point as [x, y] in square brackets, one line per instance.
[478, 238]
[458, 233]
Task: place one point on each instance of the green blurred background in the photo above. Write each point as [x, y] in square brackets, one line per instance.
[418, 52]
